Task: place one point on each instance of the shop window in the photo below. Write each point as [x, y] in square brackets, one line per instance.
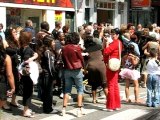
[87, 14]
[87, 3]
[13, 16]
[107, 5]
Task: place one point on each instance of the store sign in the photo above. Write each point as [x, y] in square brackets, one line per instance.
[141, 3]
[58, 16]
[55, 3]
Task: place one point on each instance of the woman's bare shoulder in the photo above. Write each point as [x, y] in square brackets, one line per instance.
[7, 59]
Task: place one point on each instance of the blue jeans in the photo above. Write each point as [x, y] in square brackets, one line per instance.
[73, 77]
[153, 90]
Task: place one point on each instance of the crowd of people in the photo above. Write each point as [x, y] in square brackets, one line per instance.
[65, 58]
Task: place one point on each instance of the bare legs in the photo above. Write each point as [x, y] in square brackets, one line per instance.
[136, 90]
[1, 103]
[144, 76]
[127, 90]
[13, 101]
[105, 90]
[66, 96]
[94, 96]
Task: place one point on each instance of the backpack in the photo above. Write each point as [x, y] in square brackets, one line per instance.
[51, 61]
[157, 61]
[59, 64]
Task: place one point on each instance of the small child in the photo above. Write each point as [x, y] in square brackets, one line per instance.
[129, 72]
[153, 82]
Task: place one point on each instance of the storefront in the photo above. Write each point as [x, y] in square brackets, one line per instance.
[141, 12]
[156, 6]
[113, 12]
[18, 11]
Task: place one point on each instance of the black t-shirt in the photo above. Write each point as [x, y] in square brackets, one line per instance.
[26, 53]
[54, 33]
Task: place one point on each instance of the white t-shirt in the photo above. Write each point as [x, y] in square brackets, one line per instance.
[152, 67]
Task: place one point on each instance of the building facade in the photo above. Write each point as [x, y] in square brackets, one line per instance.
[18, 11]
[144, 12]
[72, 12]
[114, 12]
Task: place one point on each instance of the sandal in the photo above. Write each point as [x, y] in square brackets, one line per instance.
[28, 113]
[95, 101]
[138, 102]
[128, 101]
[31, 111]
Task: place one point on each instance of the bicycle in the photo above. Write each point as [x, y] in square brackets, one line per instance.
[88, 88]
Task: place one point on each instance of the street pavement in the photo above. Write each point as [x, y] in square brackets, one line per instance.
[129, 111]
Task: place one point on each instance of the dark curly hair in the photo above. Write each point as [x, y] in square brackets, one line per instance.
[72, 38]
[9, 36]
[8, 32]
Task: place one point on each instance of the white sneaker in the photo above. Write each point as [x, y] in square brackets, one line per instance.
[83, 111]
[79, 112]
[69, 97]
[61, 95]
[117, 109]
[63, 112]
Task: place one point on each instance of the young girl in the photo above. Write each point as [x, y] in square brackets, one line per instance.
[129, 72]
[46, 58]
[27, 55]
[153, 69]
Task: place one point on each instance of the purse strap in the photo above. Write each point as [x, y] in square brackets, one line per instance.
[119, 49]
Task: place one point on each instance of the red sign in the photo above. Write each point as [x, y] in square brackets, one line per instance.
[56, 3]
[140, 3]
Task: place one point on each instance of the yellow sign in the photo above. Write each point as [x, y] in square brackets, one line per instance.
[58, 17]
[47, 1]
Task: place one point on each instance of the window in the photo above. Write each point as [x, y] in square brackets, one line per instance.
[87, 3]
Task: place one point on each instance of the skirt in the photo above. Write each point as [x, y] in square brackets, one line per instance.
[129, 74]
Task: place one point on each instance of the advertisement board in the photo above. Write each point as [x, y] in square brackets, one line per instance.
[55, 3]
[140, 3]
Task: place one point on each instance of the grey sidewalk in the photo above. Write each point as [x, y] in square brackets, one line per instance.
[36, 105]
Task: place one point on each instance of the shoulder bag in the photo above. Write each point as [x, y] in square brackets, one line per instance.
[115, 63]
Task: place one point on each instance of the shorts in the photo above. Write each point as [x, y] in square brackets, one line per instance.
[73, 77]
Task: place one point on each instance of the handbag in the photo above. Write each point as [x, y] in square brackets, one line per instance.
[30, 69]
[39, 67]
[115, 63]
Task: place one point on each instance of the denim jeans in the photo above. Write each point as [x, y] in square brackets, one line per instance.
[73, 77]
[153, 90]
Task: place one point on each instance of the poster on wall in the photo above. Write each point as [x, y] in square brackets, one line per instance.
[55, 3]
[140, 3]
[13, 16]
[58, 15]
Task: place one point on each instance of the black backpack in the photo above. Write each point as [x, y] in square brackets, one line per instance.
[51, 61]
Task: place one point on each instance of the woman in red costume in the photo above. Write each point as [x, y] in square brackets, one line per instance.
[112, 50]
